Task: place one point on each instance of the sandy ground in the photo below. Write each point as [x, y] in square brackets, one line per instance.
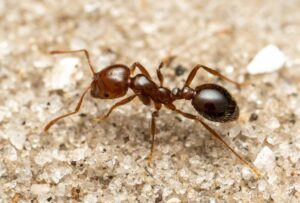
[87, 161]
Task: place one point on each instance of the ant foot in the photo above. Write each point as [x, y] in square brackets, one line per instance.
[149, 159]
[99, 119]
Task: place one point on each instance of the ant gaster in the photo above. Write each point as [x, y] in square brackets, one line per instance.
[211, 101]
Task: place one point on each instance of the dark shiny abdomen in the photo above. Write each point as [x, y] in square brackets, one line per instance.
[215, 103]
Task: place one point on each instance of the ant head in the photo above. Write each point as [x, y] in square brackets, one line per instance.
[215, 103]
[110, 83]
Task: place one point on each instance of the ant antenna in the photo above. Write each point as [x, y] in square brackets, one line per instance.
[86, 53]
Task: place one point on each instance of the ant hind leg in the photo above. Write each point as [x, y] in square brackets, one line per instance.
[216, 136]
[209, 70]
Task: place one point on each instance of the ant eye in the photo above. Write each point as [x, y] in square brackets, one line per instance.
[106, 95]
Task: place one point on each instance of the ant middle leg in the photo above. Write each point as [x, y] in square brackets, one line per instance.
[86, 53]
[154, 115]
[217, 137]
[119, 103]
[52, 122]
[159, 74]
[209, 70]
[165, 62]
[141, 68]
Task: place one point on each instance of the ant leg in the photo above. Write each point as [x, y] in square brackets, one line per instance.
[166, 62]
[209, 70]
[68, 114]
[216, 136]
[159, 75]
[119, 103]
[141, 68]
[86, 53]
[153, 129]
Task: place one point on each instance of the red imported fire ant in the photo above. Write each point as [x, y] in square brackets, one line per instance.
[212, 101]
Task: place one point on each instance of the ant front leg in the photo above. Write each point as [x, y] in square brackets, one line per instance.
[216, 136]
[52, 122]
[209, 70]
[86, 53]
[120, 103]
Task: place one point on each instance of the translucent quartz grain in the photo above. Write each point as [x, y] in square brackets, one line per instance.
[265, 159]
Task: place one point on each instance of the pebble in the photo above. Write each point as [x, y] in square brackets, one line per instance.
[246, 173]
[10, 153]
[267, 60]
[235, 131]
[174, 200]
[17, 138]
[4, 113]
[58, 172]
[273, 123]
[43, 157]
[42, 63]
[265, 159]
[5, 48]
[2, 169]
[60, 189]
[90, 198]
[39, 189]
[262, 185]
[79, 153]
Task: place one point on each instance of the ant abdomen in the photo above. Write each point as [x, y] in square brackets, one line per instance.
[215, 103]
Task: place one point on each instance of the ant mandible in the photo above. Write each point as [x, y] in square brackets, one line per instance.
[211, 101]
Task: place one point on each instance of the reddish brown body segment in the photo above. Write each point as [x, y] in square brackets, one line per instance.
[210, 100]
[109, 83]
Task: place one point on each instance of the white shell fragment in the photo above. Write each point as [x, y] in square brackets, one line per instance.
[267, 60]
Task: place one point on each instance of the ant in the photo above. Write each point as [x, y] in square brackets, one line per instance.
[211, 101]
